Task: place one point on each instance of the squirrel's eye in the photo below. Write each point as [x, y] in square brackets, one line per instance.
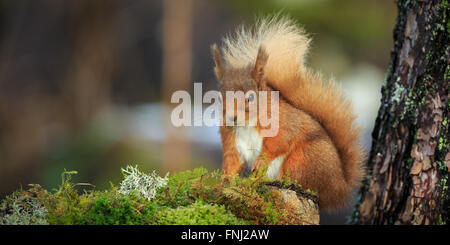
[251, 97]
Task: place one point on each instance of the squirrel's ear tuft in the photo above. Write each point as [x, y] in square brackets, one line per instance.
[260, 63]
[218, 61]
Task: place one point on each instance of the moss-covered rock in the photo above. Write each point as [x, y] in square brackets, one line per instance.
[189, 197]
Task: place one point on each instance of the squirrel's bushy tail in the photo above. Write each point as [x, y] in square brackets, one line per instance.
[286, 45]
[285, 42]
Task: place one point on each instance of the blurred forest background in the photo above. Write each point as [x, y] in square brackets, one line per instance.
[85, 85]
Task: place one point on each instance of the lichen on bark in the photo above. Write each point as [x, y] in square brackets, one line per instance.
[409, 159]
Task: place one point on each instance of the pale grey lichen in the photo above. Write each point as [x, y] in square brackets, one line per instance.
[21, 209]
[398, 90]
[146, 185]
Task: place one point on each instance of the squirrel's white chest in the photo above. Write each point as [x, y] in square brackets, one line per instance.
[248, 144]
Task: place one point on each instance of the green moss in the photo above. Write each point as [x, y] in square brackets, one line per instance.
[65, 206]
[179, 188]
[443, 143]
[443, 186]
[199, 213]
[115, 209]
[189, 197]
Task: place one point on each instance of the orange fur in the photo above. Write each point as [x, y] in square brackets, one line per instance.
[326, 104]
[231, 164]
[317, 134]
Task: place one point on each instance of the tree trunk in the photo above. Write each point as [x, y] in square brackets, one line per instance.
[176, 75]
[408, 164]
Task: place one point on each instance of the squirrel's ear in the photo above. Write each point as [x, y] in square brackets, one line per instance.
[260, 63]
[218, 61]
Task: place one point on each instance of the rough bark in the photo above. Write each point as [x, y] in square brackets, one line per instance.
[409, 161]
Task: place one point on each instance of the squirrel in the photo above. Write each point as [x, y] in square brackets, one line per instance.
[317, 140]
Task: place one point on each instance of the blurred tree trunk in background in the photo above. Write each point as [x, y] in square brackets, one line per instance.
[408, 165]
[176, 75]
[90, 74]
[32, 106]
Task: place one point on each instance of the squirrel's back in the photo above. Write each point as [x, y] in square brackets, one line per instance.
[286, 45]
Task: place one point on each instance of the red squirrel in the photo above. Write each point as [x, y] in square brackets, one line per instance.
[317, 140]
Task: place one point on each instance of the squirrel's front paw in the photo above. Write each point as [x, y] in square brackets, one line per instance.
[259, 163]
